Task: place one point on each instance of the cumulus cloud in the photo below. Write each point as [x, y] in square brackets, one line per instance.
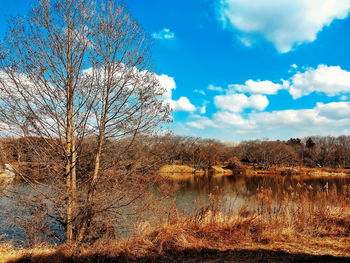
[331, 80]
[286, 118]
[215, 88]
[164, 34]
[323, 119]
[232, 119]
[202, 122]
[168, 83]
[261, 87]
[334, 110]
[285, 23]
[239, 102]
[183, 103]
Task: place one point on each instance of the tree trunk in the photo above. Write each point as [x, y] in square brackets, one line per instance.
[71, 154]
[69, 230]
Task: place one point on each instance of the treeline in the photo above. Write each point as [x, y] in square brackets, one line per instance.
[313, 151]
[144, 153]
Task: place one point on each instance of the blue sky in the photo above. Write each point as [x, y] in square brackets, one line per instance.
[238, 70]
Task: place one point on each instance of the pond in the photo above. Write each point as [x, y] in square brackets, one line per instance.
[195, 191]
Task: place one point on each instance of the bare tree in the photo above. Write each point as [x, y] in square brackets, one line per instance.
[72, 70]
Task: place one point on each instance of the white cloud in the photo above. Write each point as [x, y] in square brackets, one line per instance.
[334, 110]
[168, 83]
[239, 102]
[331, 80]
[248, 42]
[286, 118]
[261, 87]
[201, 123]
[323, 119]
[164, 34]
[199, 91]
[232, 119]
[183, 103]
[215, 88]
[203, 109]
[285, 23]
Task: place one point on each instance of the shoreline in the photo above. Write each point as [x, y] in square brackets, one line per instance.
[188, 171]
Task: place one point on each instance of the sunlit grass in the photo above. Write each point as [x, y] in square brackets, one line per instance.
[175, 168]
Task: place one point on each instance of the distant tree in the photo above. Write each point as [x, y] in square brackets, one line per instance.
[310, 143]
[294, 142]
[310, 154]
[208, 153]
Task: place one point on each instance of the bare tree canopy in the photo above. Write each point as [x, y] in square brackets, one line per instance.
[72, 70]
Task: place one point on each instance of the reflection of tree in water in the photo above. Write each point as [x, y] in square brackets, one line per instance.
[209, 184]
[333, 183]
[198, 188]
[279, 185]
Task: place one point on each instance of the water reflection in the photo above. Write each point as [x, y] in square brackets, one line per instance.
[241, 189]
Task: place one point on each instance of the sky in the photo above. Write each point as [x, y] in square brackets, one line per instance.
[240, 70]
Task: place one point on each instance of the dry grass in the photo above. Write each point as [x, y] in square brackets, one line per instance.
[174, 168]
[8, 253]
[300, 222]
[186, 170]
[299, 171]
[221, 170]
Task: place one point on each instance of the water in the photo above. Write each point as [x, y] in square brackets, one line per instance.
[194, 191]
[239, 190]
[14, 212]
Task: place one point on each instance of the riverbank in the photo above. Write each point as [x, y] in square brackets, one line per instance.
[190, 169]
[299, 171]
[251, 171]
